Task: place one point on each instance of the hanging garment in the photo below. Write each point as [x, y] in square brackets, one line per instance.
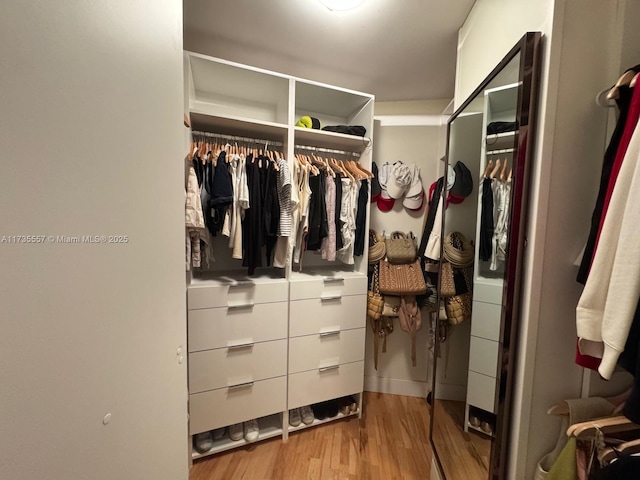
[348, 208]
[623, 101]
[194, 220]
[486, 221]
[270, 207]
[501, 191]
[304, 195]
[318, 223]
[252, 226]
[610, 297]
[435, 193]
[221, 193]
[624, 468]
[338, 205]
[295, 211]
[285, 225]
[361, 218]
[237, 168]
[328, 246]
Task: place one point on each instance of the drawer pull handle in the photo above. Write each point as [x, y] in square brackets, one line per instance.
[329, 298]
[241, 305]
[330, 367]
[240, 385]
[240, 345]
[332, 279]
[329, 333]
[242, 283]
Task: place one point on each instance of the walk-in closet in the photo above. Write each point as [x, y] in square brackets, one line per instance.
[309, 239]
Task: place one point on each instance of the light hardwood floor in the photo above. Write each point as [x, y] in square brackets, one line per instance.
[390, 442]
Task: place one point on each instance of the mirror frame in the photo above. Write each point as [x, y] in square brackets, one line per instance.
[529, 48]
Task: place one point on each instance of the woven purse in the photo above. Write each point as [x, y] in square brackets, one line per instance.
[401, 248]
[404, 279]
[375, 302]
[458, 251]
[377, 247]
[458, 307]
[447, 283]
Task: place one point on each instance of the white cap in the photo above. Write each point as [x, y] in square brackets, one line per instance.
[399, 180]
[415, 194]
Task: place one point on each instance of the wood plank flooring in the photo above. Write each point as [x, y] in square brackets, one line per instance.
[390, 442]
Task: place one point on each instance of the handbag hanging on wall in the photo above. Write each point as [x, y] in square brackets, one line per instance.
[375, 302]
[410, 321]
[447, 281]
[401, 248]
[405, 279]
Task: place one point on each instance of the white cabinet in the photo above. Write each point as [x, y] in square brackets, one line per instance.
[261, 345]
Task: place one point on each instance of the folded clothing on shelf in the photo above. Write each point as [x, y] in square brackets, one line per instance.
[356, 130]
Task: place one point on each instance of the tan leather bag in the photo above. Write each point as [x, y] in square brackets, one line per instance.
[401, 248]
[405, 279]
[447, 284]
[410, 321]
[375, 302]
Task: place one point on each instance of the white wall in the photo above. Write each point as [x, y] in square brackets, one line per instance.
[412, 132]
[91, 142]
[581, 57]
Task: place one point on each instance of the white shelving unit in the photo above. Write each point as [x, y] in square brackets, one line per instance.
[261, 345]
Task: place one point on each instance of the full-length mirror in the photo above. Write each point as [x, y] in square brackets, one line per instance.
[482, 236]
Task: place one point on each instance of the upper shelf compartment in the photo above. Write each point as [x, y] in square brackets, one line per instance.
[332, 106]
[231, 94]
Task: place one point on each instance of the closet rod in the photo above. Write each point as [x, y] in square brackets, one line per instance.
[234, 138]
[326, 150]
[498, 152]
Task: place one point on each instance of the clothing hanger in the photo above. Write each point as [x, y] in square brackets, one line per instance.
[503, 172]
[607, 424]
[487, 169]
[617, 400]
[633, 81]
[495, 169]
[625, 79]
[621, 450]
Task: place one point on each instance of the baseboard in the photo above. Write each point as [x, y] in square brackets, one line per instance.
[410, 388]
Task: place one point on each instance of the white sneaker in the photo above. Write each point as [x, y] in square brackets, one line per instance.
[235, 432]
[307, 415]
[294, 417]
[218, 433]
[203, 442]
[251, 430]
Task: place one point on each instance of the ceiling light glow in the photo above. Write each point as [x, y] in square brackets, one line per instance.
[341, 5]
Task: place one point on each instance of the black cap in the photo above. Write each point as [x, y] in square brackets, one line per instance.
[463, 186]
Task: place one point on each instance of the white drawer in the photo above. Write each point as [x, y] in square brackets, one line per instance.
[481, 391]
[226, 367]
[234, 293]
[321, 350]
[308, 317]
[226, 406]
[318, 386]
[488, 290]
[483, 356]
[317, 286]
[485, 320]
[221, 327]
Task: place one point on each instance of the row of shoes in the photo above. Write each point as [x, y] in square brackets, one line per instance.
[477, 423]
[322, 411]
[249, 430]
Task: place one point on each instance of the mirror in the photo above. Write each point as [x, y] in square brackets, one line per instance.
[491, 135]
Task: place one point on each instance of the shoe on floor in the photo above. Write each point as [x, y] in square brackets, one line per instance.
[343, 405]
[294, 417]
[307, 415]
[203, 442]
[332, 408]
[235, 432]
[251, 430]
[474, 421]
[319, 410]
[353, 405]
[218, 433]
[486, 428]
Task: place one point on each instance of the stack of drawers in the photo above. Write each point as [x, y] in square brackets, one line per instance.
[327, 324]
[237, 333]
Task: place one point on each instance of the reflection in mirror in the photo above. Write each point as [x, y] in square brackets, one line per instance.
[484, 163]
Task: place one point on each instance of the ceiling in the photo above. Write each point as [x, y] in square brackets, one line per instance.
[395, 49]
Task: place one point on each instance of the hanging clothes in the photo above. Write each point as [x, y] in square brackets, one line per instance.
[348, 208]
[318, 222]
[304, 195]
[285, 226]
[501, 200]
[486, 221]
[270, 206]
[328, 245]
[237, 168]
[338, 205]
[221, 193]
[433, 224]
[361, 218]
[194, 220]
[252, 225]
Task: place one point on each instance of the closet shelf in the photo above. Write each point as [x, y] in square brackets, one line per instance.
[317, 422]
[500, 141]
[270, 427]
[239, 126]
[324, 139]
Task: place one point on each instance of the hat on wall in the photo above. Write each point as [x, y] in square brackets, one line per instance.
[399, 180]
[385, 202]
[414, 197]
[463, 184]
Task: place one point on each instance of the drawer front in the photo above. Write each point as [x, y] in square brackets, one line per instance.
[222, 327]
[322, 350]
[226, 406]
[325, 287]
[488, 292]
[481, 391]
[224, 367]
[316, 386]
[314, 316]
[485, 320]
[241, 293]
[483, 356]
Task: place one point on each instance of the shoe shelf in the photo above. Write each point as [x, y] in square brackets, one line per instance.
[270, 427]
[317, 422]
[478, 429]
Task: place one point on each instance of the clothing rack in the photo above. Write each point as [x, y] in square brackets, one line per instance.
[328, 150]
[498, 152]
[233, 138]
